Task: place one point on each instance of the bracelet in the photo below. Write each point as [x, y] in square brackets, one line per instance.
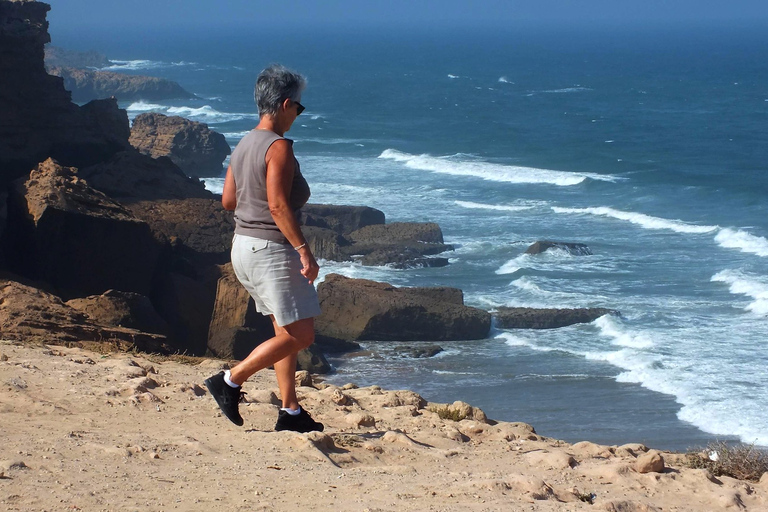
[301, 246]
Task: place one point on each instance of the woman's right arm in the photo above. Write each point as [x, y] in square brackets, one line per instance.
[229, 194]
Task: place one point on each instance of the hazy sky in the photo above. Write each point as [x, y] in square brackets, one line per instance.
[296, 14]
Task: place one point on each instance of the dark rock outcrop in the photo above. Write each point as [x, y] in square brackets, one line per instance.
[61, 57]
[121, 309]
[27, 314]
[571, 248]
[37, 117]
[196, 149]
[358, 309]
[340, 218]
[533, 318]
[343, 233]
[87, 85]
[419, 351]
[77, 239]
[131, 176]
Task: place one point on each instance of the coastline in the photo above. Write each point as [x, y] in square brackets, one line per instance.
[131, 431]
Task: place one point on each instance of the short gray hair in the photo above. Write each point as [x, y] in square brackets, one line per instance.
[274, 85]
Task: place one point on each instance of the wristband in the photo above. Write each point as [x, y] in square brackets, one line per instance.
[301, 246]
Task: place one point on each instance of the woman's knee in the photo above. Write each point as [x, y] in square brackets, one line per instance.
[303, 331]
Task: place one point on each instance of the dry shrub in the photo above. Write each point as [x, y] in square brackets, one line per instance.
[744, 462]
[446, 412]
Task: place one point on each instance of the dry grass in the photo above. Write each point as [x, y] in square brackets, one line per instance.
[744, 462]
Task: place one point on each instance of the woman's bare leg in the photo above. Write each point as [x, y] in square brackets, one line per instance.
[279, 351]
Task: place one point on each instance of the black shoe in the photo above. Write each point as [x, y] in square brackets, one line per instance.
[226, 396]
[302, 422]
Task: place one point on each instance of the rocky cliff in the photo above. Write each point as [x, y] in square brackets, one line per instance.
[37, 117]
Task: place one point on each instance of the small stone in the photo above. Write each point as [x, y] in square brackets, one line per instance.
[154, 455]
[303, 379]
[357, 419]
[339, 398]
[3, 357]
[651, 462]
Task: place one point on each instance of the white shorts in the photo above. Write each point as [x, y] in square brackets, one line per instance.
[271, 272]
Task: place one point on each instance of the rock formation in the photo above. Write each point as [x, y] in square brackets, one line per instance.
[37, 118]
[358, 309]
[87, 85]
[343, 233]
[533, 318]
[75, 238]
[121, 309]
[571, 248]
[27, 313]
[196, 149]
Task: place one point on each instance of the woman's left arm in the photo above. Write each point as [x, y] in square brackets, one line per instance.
[229, 194]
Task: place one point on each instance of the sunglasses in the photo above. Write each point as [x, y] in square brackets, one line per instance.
[299, 107]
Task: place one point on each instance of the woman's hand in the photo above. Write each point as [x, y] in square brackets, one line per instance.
[310, 268]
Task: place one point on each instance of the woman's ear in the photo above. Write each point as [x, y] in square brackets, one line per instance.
[286, 103]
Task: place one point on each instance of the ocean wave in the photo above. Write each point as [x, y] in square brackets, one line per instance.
[143, 64]
[645, 221]
[236, 135]
[514, 264]
[453, 77]
[206, 113]
[518, 341]
[745, 242]
[749, 285]
[497, 207]
[577, 88]
[504, 80]
[459, 165]
[610, 327]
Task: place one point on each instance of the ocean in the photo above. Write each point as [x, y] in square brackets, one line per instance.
[648, 145]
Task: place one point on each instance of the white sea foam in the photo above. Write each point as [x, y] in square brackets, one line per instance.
[497, 207]
[141, 106]
[567, 89]
[745, 242]
[453, 77]
[752, 286]
[504, 80]
[611, 328]
[207, 114]
[236, 135]
[460, 165]
[135, 64]
[215, 185]
[514, 264]
[645, 221]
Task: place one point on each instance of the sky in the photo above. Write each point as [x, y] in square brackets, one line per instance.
[428, 14]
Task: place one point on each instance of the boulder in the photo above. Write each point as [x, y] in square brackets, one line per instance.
[534, 318]
[28, 314]
[88, 84]
[121, 309]
[37, 117]
[312, 360]
[76, 238]
[651, 462]
[341, 219]
[401, 258]
[571, 248]
[130, 176]
[61, 57]
[358, 309]
[420, 351]
[196, 149]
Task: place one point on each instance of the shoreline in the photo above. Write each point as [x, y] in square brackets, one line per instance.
[131, 431]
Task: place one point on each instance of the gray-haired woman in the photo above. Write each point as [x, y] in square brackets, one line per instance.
[270, 255]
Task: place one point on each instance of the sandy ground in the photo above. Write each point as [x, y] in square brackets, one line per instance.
[84, 431]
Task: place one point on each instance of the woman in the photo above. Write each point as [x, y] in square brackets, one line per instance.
[270, 255]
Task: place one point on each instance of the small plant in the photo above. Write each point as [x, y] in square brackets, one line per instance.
[446, 412]
[744, 462]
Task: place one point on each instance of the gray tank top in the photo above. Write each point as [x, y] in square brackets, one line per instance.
[249, 168]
